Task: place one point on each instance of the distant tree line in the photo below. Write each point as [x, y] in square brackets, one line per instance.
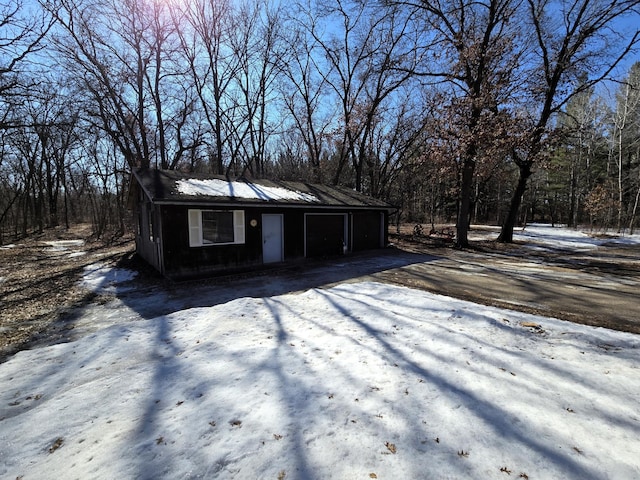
[464, 111]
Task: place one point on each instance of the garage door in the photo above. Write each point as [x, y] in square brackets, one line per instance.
[325, 234]
[368, 231]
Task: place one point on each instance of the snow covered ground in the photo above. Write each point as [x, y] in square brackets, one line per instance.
[547, 237]
[362, 380]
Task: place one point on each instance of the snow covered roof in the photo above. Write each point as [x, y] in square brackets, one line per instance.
[173, 187]
[215, 187]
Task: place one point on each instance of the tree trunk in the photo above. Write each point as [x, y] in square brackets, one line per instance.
[358, 176]
[620, 185]
[634, 211]
[573, 195]
[506, 234]
[466, 189]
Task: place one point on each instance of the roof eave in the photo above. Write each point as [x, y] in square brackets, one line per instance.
[236, 204]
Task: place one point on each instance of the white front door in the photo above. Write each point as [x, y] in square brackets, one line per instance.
[272, 238]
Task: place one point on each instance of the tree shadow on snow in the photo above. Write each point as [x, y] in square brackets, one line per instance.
[161, 297]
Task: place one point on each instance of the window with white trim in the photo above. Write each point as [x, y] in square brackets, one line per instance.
[216, 227]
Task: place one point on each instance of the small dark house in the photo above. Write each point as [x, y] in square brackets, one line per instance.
[194, 225]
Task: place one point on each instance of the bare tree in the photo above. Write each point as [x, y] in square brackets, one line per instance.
[476, 53]
[111, 76]
[369, 56]
[204, 28]
[123, 55]
[626, 143]
[261, 52]
[56, 129]
[571, 38]
[574, 166]
[304, 91]
[37, 149]
[22, 31]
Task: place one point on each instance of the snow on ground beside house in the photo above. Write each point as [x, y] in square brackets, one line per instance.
[362, 380]
[55, 246]
[222, 188]
[101, 278]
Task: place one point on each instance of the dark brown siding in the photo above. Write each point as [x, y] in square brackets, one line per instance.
[324, 230]
[183, 261]
[147, 231]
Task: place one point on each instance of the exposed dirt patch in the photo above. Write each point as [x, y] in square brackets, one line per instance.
[40, 281]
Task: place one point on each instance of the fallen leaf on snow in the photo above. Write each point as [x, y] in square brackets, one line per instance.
[56, 445]
[530, 324]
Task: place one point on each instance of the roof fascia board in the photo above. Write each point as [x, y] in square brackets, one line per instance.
[310, 206]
